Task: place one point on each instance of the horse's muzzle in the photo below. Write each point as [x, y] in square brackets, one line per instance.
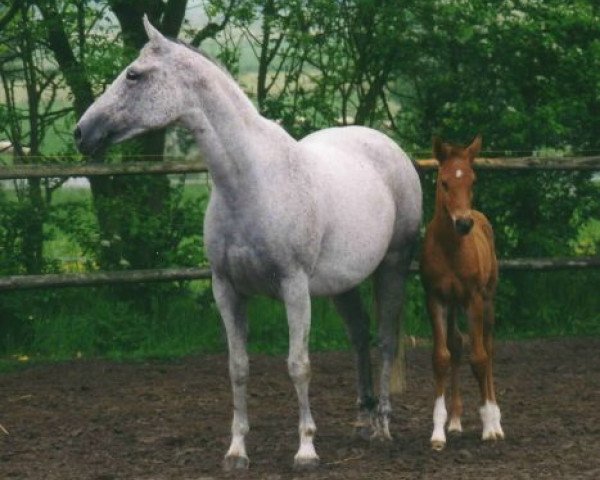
[90, 137]
[463, 225]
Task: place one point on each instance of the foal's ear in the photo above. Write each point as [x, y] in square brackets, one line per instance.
[441, 150]
[153, 34]
[475, 147]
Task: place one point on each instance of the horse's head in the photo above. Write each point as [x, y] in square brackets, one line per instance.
[455, 181]
[139, 99]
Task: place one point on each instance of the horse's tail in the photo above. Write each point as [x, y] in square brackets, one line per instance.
[398, 373]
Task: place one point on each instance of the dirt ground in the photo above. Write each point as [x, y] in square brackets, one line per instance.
[170, 420]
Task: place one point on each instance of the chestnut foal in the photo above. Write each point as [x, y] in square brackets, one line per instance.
[459, 269]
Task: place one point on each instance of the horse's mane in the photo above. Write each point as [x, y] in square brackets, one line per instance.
[202, 53]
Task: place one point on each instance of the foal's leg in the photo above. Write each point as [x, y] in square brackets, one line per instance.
[494, 411]
[390, 281]
[295, 294]
[455, 345]
[441, 364]
[480, 365]
[232, 307]
[350, 307]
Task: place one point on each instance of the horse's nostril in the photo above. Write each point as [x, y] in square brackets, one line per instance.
[464, 225]
[77, 134]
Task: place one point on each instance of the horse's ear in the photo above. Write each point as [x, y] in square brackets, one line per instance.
[475, 147]
[153, 34]
[441, 150]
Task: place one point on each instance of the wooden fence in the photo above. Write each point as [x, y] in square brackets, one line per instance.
[18, 282]
[162, 168]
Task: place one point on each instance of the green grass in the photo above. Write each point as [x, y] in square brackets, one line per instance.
[165, 322]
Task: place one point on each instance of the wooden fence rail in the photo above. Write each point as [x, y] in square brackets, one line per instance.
[54, 280]
[162, 168]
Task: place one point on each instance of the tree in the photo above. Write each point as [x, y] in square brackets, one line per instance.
[322, 63]
[25, 124]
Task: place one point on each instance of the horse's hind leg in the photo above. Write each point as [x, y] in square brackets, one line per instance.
[350, 307]
[232, 307]
[390, 282]
[455, 345]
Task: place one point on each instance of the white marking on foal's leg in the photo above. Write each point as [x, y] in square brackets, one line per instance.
[496, 422]
[440, 415]
[490, 417]
[454, 425]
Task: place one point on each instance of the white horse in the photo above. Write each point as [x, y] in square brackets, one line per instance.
[286, 219]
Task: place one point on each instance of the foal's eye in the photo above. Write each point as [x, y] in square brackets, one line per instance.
[445, 185]
[132, 75]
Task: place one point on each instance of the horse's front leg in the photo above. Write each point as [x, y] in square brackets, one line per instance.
[481, 357]
[441, 364]
[232, 307]
[295, 294]
[455, 345]
[488, 326]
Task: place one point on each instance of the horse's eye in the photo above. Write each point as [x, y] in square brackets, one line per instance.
[132, 75]
[445, 185]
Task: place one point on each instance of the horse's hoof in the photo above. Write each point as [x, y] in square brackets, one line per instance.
[492, 435]
[455, 426]
[382, 434]
[364, 432]
[488, 436]
[499, 431]
[306, 463]
[438, 445]
[235, 462]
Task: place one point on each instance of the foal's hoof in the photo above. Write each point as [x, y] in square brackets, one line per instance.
[492, 435]
[455, 426]
[235, 462]
[306, 463]
[438, 445]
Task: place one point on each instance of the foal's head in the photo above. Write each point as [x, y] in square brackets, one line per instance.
[455, 181]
